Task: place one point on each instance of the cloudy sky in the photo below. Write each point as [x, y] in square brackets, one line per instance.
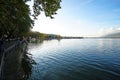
[82, 18]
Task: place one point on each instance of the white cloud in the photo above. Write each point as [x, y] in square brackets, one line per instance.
[111, 30]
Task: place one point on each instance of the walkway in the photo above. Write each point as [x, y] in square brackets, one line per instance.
[9, 48]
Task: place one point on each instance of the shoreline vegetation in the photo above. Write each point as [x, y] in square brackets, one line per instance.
[19, 56]
[34, 36]
[24, 59]
[16, 62]
[16, 21]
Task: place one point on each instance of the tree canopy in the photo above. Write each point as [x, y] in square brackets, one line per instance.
[16, 17]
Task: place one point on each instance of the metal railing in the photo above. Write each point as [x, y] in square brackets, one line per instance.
[5, 55]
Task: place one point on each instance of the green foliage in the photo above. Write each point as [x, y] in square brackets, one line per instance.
[27, 62]
[59, 37]
[41, 36]
[15, 15]
[36, 35]
[48, 6]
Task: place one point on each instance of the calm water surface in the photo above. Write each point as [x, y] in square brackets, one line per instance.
[76, 59]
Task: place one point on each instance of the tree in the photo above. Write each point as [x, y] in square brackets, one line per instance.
[15, 15]
[48, 6]
[59, 37]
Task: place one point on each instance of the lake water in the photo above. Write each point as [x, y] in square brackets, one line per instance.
[76, 59]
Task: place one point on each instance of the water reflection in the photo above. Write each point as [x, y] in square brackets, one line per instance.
[101, 44]
[27, 63]
[84, 59]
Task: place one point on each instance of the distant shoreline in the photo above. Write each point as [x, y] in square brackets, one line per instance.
[72, 37]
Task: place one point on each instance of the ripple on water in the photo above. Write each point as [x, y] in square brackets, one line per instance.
[100, 60]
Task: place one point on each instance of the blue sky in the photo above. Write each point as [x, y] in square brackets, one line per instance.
[82, 18]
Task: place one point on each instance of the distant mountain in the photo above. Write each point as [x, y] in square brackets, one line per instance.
[112, 35]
